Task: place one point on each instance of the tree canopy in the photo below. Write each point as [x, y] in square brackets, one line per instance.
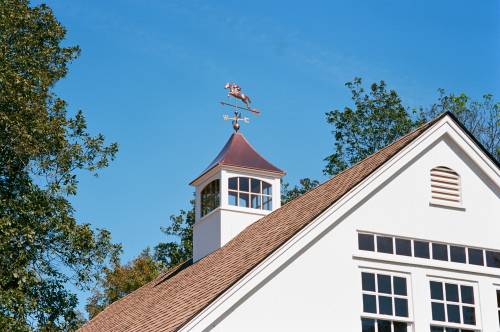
[379, 117]
[480, 117]
[179, 245]
[42, 148]
[120, 280]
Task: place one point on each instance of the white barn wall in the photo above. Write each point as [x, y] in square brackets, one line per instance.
[321, 289]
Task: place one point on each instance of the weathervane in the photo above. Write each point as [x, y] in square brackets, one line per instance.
[235, 91]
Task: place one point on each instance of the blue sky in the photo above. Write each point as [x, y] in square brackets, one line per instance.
[151, 74]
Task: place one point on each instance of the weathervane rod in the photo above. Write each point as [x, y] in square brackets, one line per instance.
[235, 106]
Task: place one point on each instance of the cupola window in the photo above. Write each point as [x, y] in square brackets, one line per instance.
[445, 186]
[210, 197]
[250, 193]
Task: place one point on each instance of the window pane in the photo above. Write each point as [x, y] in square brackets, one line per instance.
[385, 305]
[399, 286]
[401, 307]
[451, 292]
[403, 247]
[255, 185]
[384, 325]
[368, 281]
[437, 329]
[476, 256]
[493, 259]
[369, 304]
[436, 290]
[384, 244]
[267, 203]
[367, 325]
[266, 188]
[453, 313]
[440, 251]
[438, 311]
[233, 183]
[244, 184]
[244, 200]
[366, 242]
[421, 249]
[384, 283]
[400, 327]
[233, 198]
[452, 329]
[210, 197]
[457, 254]
[467, 293]
[498, 298]
[256, 201]
[469, 315]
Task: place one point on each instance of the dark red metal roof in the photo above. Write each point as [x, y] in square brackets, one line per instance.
[238, 152]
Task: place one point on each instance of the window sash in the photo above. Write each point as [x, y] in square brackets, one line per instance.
[460, 304]
[392, 295]
[246, 195]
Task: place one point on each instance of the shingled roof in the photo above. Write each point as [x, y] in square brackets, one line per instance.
[174, 298]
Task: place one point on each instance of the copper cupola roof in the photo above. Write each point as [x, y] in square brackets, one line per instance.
[239, 153]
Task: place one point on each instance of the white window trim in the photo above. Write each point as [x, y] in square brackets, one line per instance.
[409, 320]
[475, 288]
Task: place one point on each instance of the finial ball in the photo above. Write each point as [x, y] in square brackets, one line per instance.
[236, 126]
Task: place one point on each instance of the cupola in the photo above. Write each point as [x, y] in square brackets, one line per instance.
[236, 189]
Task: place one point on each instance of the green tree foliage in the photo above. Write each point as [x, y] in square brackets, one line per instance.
[378, 119]
[304, 186]
[480, 117]
[120, 280]
[180, 248]
[43, 248]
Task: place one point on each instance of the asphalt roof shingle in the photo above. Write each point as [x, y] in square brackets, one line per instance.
[174, 298]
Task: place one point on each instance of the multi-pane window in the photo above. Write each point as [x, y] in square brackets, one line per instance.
[429, 250]
[210, 197]
[453, 306]
[385, 302]
[250, 193]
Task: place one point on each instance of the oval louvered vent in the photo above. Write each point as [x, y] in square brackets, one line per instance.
[445, 185]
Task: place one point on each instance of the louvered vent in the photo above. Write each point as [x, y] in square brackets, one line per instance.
[445, 185]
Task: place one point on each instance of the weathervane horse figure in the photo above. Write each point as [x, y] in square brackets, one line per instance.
[235, 91]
